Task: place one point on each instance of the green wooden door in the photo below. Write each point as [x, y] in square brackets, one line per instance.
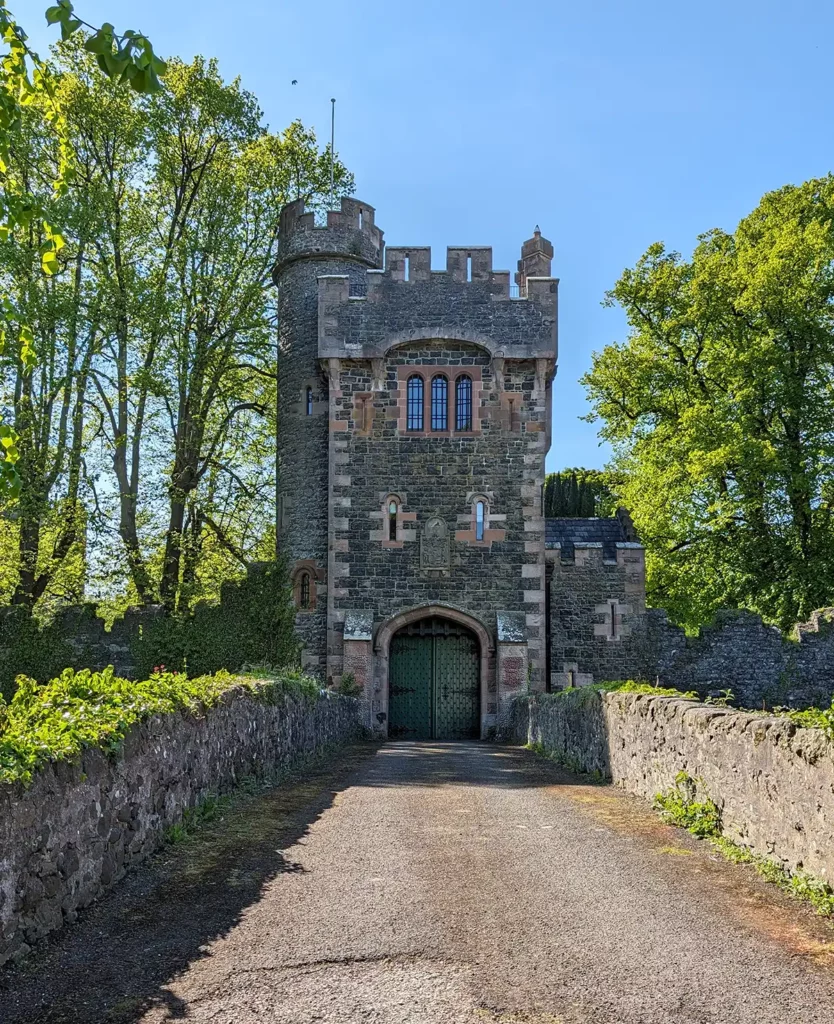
[434, 682]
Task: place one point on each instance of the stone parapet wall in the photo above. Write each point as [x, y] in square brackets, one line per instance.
[75, 831]
[741, 653]
[772, 781]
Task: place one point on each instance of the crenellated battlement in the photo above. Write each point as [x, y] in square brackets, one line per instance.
[350, 233]
[407, 300]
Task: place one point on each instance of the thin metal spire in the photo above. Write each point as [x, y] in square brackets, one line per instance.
[332, 145]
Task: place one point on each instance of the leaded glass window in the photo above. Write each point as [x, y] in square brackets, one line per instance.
[439, 403]
[304, 590]
[463, 403]
[480, 512]
[392, 521]
[309, 401]
[414, 401]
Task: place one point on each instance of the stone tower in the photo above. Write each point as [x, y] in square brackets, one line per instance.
[348, 246]
[414, 421]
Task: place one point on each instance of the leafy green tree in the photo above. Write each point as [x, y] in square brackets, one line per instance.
[26, 81]
[146, 426]
[720, 409]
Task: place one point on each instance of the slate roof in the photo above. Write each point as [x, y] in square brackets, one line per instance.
[570, 532]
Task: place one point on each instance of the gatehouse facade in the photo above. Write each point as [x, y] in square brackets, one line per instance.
[414, 419]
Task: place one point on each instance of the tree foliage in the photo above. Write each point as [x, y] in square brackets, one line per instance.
[580, 493]
[26, 81]
[145, 428]
[720, 409]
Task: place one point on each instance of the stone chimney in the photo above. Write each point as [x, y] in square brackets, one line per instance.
[536, 254]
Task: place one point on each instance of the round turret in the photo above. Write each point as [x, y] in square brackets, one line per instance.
[349, 244]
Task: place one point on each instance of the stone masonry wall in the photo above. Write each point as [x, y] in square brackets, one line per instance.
[773, 782]
[741, 653]
[80, 825]
[432, 474]
[306, 253]
[585, 645]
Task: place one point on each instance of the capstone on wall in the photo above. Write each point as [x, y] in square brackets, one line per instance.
[80, 825]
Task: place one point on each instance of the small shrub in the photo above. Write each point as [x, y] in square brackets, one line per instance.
[348, 687]
[652, 689]
[703, 819]
[679, 807]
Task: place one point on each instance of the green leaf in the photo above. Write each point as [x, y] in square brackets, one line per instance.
[69, 26]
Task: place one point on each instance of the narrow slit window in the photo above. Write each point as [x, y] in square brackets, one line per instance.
[361, 224]
[406, 268]
[309, 401]
[304, 590]
[613, 606]
[392, 521]
[414, 401]
[463, 403]
[439, 403]
[480, 514]
[468, 268]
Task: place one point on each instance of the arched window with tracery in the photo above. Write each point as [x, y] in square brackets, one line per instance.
[392, 520]
[415, 402]
[463, 403]
[439, 403]
[308, 401]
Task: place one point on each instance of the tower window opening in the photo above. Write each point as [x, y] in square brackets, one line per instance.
[406, 268]
[304, 591]
[480, 513]
[613, 606]
[361, 223]
[439, 403]
[414, 400]
[392, 521]
[468, 268]
[463, 403]
[309, 401]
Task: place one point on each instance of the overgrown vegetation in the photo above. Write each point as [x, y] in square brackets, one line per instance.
[86, 709]
[702, 818]
[582, 694]
[811, 718]
[253, 623]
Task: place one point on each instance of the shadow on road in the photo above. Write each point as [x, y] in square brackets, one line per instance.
[466, 764]
[116, 964]
[113, 965]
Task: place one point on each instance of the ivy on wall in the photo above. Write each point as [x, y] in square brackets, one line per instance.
[252, 623]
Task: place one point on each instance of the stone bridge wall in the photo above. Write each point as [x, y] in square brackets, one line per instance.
[773, 782]
[80, 825]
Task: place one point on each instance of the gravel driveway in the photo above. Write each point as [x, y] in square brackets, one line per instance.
[435, 883]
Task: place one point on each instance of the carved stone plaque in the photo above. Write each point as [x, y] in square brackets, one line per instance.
[434, 545]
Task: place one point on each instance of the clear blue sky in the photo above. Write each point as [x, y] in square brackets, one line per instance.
[610, 124]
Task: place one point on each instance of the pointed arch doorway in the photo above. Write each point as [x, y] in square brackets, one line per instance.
[434, 681]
